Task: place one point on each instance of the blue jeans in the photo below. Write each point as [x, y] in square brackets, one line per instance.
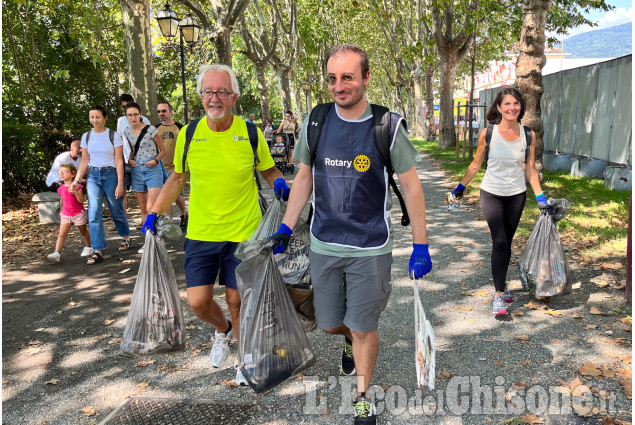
[103, 181]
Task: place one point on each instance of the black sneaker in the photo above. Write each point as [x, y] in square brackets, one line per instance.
[348, 363]
[364, 411]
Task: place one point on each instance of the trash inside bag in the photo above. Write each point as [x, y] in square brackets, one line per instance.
[155, 322]
[558, 208]
[273, 344]
[294, 262]
[167, 228]
[543, 264]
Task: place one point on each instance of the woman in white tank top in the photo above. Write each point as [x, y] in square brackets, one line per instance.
[503, 189]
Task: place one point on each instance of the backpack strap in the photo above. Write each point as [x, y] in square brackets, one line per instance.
[87, 136]
[314, 128]
[528, 139]
[111, 136]
[189, 133]
[144, 130]
[252, 130]
[385, 126]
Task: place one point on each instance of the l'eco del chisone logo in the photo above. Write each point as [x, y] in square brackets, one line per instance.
[361, 163]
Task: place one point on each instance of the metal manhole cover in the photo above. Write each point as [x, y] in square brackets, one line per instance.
[169, 411]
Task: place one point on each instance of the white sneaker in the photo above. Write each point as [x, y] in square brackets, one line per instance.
[140, 251]
[55, 257]
[240, 379]
[88, 250]
[220, 349]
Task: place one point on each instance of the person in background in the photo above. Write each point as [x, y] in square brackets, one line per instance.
[74, 156]
[168, 130]
[288, 126]
[145, 159]
[251, 118]
[102, 163]
[268, 131]
[73, 212]
[122, 124]
[351, 238]
[503, 189]
[224, 207]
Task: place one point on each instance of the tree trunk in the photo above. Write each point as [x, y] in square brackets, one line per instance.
[262, 91]
[419, 124]
[284, 76]
[223, 46]
[447, 133]
[299, 94]
[529, 68]
[136, 23]
[430, 130]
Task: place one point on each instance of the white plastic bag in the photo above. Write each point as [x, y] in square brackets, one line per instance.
[155, 322]
[424, 343]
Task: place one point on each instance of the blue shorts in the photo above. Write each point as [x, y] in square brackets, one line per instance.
[204, 259]
[144, 178]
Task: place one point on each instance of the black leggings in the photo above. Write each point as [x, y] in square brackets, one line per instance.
[503, 215]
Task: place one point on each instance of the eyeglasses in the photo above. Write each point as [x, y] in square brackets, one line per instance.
[221, 94]
[161, 111]
[132, 115]
[63, 172]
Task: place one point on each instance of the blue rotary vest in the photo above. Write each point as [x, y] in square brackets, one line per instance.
[349, 185]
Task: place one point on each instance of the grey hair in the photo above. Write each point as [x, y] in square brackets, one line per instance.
[217, 67]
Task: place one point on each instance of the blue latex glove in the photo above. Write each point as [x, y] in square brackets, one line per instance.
[281, 189]
[458, 192]
[420, 263]
[282, 236]
[542, 202]
[150, 224]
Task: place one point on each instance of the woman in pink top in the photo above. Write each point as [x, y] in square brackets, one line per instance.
[73, 212]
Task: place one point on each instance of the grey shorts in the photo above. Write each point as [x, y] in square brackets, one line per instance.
[350, 290]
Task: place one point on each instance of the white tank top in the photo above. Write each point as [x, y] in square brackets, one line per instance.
[505, 174]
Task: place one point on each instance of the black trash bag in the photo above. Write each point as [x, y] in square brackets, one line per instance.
[558, 208]
[155, 322]
[543, 264]
[273, 345]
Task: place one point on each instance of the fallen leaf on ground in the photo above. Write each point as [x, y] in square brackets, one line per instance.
[115, 341]
[89, 411]
[460, 307]
[531, 419]
[573, 384]
[628, 320]
[517, 313]
[145, 363]
[535, 306]
[124, 270]
[628, 388]
[519, 386]
[597, 312]
[499, 364]
[578, 316]
[522, 337]
[52, 382]
[229, 383]
[611, 266]
[591, 327]
[108, 322]
[482, 293]
[553, 312]
[555, 341]
[526, 362]
[589, 369]
[444, 374]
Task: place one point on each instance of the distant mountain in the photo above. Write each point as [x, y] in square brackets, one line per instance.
[605, 43]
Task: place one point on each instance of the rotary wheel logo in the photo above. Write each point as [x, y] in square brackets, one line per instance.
[361, 163]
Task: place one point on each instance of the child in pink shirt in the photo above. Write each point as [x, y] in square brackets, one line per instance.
[73, 212]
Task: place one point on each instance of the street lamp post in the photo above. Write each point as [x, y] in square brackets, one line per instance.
[307, 92]
[189, 30]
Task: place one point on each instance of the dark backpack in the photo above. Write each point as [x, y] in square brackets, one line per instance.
[385, 127]
[111, 136]
[488, 139]
[252, 130]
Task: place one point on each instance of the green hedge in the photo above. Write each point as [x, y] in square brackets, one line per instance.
[27, 156]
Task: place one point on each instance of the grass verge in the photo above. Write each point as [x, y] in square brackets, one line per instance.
[594, 230]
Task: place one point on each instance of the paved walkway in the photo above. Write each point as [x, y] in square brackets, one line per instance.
[61, 326]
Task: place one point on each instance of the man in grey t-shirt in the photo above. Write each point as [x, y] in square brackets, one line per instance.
[351, 244]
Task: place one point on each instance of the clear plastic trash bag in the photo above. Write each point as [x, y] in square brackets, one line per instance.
[269, 224]
[543, 264]
[273, 345]
[558, 208]
[155, 322]
[425, 352]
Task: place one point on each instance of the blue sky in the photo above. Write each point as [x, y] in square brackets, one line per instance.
[622, 13]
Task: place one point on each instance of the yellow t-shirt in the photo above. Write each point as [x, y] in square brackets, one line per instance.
[223, 192]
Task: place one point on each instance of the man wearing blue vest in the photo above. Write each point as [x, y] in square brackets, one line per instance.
[351, 244]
